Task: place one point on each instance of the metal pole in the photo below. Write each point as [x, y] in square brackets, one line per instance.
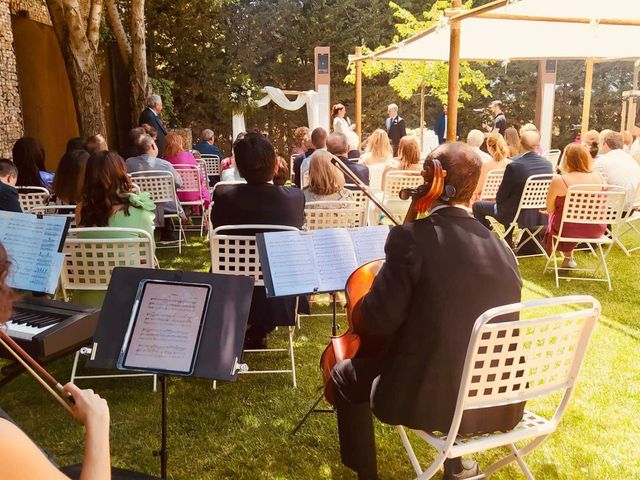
[422, 117]
[359, 94]
[586, 102]
[454, 73]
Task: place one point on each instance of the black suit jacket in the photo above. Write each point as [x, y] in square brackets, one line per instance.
[262, 203]
[297, 164]
[9, 200]
[396, 131]
[440, 274]
[150, 118]
[361, 171]
[510, 191]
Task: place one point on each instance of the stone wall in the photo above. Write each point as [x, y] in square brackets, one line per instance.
[10, 109]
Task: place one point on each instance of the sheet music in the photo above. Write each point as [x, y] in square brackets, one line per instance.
[291, 262]
[334, 256]
[368, 242]
[167, 328]
[32, 244]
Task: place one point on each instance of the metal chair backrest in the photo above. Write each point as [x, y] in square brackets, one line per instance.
[91, 254]
[31, 197]
[190, 178]
[235, 254]
[333, 214]
[212, 163]
[492, 184]
[160, 185]
[399, 179]
[68, 211]
[534, 194]
[593, 204]
[517, 360]
[553, 156]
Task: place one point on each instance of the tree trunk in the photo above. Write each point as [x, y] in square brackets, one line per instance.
[118, 32]
[140, 87]
[93, 24]
[81, 65]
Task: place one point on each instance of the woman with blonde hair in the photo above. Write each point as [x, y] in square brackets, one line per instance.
[591, 140]
[378, 149]
[326, 182]
[577, 170]
[512, 138]
[499, 151]
[408, 157]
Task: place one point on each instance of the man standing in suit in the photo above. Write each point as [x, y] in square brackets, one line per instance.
[416, 301]
[516, 175]
[259, 202]
[440, 126]
[151, 116]
[338, 145]
[396, 128]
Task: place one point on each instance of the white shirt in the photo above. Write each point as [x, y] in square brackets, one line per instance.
[484, 156]
[304, 166]
[620, 168]
[635, 147]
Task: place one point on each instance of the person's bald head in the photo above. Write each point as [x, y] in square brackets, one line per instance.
[462, 165]
[530, 141]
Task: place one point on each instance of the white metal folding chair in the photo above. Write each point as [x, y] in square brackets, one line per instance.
[511, 362]
[361, 200]
[333, 214]
[161, 187]
[589, 205]
[68, 211]
[91, 254]
[393, 183]
[233, 254]
[553, 156]
[492, 184]
[32, 197]
[212, 163]
[534, 197]
[191, 183]
[630, 223]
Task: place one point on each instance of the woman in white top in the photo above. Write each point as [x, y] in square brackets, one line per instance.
[326, 182]
[408, 157]
[378, 149]
[499, 151]
[342, 124]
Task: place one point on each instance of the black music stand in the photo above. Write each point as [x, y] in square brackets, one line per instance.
[222, 335]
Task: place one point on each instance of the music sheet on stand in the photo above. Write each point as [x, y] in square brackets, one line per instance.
[335, 258]
[32, 244]
[368, 242]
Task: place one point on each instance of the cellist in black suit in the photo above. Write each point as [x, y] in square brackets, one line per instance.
[440, 273]
[151, 116]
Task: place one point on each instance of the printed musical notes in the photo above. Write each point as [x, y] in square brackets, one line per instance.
[166, 329]
[32, 244]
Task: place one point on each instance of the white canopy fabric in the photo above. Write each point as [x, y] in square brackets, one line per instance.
[558, 29]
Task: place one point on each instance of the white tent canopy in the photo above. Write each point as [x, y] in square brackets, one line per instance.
[531, 29]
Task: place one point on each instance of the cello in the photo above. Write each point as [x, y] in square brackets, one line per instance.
[353, 342]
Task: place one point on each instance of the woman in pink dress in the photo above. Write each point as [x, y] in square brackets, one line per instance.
[175, 154]
[577, 170]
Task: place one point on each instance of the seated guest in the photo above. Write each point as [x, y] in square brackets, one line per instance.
[378, 149]
[259, 202]
[75, 143]
[618, 166]
[67, 184]
[429, 265]
[338, 146]
[298, 159]
[635, 146]
[628, 141]
[206, 144]
[516, 175]
[28, 155]
[231, 173]
[591, 140]
[96, 143]
[576, 166]
[475, 139]
[282, 175]
[512, 137]
[228, 162]
[9, 200]
[318, 142]
[20, 457]
[131, 150]
[108, 200]
[300, 145]
[149, 130]
[499, 151]
[408, 158]
[175, 154]
[326, 182]
[146, 161]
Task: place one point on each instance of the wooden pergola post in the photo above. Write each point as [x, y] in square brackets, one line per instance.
[454, 73]
[359, 94]
[586, 102]
[422, 116]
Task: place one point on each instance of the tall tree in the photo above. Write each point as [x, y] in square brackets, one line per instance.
[79, 40]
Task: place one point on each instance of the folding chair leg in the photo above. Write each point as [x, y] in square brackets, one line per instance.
[520, 460]
[291, 355]
[74, 368]
[503, 462]
[407, 446]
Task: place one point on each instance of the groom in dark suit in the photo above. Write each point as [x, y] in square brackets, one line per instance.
[396, 128]
[151, 116]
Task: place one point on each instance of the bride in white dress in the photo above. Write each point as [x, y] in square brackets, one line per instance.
[342, 124]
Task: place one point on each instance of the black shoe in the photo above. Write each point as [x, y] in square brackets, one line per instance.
[255, 343]
[168, 235]
[469, 469]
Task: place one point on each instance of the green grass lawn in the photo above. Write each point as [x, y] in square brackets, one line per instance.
[242, 429]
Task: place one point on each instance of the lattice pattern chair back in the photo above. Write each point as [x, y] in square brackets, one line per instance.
[333, 214]
[553, 156]
[233, 254]
[534, 194]
[190, 176]
[357, 195]
[159, 184]
[68, 211]
[397, 180]
[492, 184]
[593, 204]
[513, 361]
[212, 163]
[91, 254]
[31, 197]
